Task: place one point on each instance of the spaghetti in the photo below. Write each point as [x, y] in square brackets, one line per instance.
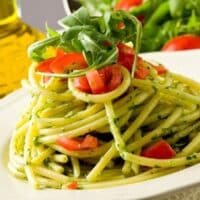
[121, 123]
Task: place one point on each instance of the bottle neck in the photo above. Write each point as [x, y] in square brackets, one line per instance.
[9, 12]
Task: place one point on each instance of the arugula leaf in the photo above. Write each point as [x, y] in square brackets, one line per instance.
[36, 50]
[50, 31]
[98, 6]
[78, 18]
[89, 35]
[95, 52]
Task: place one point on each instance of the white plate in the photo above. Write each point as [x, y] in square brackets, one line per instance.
[187, 63]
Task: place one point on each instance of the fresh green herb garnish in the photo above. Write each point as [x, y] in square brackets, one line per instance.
[95, 36]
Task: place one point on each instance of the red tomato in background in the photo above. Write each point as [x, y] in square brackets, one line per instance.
[182, 42]
[159, 150]
[126, 56]
[127, 4]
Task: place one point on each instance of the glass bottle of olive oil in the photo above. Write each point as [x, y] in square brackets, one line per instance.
[15, 37]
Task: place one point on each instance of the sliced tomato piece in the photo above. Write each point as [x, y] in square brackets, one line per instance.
[160, 70]
[70, 144]
[77, 144]
[141, 73]
[125, 56]
[101, 81]
[96, 82]
[182, 42]
[112, 76]
[89, 142]
[160, 150]
[127, 4]
[73, 185]
[44, 66]
[68, 61]
[82, 84]
[125, 49]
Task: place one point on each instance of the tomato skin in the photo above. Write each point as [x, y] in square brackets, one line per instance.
[89, 142]
[73, 185]
[70, 144]
[182, 42]
[101, 81]
[125, 56]
[160, 70]
[44, 66]
[68, 61]
[142, 73]
[112, 76]
[127, 4]
[77, 144]
[96, 82]
[159, 150]
[82, 84]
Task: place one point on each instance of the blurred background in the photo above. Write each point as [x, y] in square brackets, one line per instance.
[38, 12]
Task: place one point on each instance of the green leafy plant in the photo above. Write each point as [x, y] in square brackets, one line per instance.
[163, 19]
[89, 34]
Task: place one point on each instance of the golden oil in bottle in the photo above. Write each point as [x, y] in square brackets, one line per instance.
[15, 37]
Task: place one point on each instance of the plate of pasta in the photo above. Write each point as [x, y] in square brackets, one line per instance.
[97, 120]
